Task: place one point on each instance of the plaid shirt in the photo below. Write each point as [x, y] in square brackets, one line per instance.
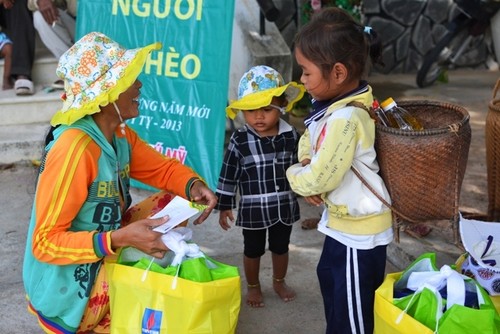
[257, 166]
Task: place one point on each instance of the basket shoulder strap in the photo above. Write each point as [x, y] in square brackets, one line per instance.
[495, 90]
[358, 174]
[394, 210]
[362, 106]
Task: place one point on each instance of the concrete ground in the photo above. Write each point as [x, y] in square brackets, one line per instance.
[472, 89]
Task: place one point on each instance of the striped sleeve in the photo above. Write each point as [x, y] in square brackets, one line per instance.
[102, 244]
[69, 169]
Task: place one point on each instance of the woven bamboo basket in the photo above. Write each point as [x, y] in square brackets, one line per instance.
[424, 170]
[492, 141]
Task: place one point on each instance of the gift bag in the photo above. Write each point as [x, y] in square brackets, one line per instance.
[388, 318]
[481, 240]
[199, 295]
[466, 270]
[433, 301]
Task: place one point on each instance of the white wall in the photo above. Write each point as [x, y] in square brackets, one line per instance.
[249, 48]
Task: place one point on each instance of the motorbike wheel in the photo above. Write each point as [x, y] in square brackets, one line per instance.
[436, 60]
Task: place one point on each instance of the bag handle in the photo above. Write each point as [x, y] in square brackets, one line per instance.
[439, 308]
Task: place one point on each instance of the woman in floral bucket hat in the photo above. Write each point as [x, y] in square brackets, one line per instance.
[255, 162]
[80, 212]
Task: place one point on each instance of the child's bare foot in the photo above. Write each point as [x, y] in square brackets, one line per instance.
[254, 295]
[283, 290]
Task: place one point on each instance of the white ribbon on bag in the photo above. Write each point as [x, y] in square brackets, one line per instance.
[435, 281]
[175, 240]
[454, 282]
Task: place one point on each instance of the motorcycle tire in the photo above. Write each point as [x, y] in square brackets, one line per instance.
[432, 66]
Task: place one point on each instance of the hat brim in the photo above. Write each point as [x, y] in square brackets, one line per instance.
[118, 79]
[293, 93]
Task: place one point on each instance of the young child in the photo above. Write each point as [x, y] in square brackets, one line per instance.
[332, 51]
[6, 54]
[255, 163]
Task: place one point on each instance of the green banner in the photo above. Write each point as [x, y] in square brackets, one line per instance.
[185, 84]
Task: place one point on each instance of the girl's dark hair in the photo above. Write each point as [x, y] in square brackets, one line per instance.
[333, 36]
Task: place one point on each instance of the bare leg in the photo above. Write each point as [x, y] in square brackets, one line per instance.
[254, 292]
[7, 64]
[280, 266]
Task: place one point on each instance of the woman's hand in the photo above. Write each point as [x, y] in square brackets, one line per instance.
[201, 194]
[140, 235]
[224, 217]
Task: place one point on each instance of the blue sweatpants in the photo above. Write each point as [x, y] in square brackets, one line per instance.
[348, 279]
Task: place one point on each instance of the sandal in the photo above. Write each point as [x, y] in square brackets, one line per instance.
[310, 224]
[24, 87]
[58, 84]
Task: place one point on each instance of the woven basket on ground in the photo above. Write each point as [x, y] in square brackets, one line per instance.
[424, 170]
[492, 141]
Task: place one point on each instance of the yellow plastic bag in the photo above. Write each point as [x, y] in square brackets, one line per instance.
[152, 306]
[389, 319]
[386, 313]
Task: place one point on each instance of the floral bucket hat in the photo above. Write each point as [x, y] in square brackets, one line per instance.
[257, 88]
[96, 70]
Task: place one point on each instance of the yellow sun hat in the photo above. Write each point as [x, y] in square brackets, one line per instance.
[96, 70]
[257, 88]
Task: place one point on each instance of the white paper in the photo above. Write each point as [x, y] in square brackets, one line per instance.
[178, 209]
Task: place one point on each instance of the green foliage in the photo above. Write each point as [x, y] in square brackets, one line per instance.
[354, 7]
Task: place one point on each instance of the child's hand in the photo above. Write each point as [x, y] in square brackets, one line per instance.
[314, 200]
[224, 216]
[305, 162]
[201, 194]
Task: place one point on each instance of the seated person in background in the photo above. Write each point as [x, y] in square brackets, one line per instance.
[17, 21]
[6, 54]
[55, 22]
